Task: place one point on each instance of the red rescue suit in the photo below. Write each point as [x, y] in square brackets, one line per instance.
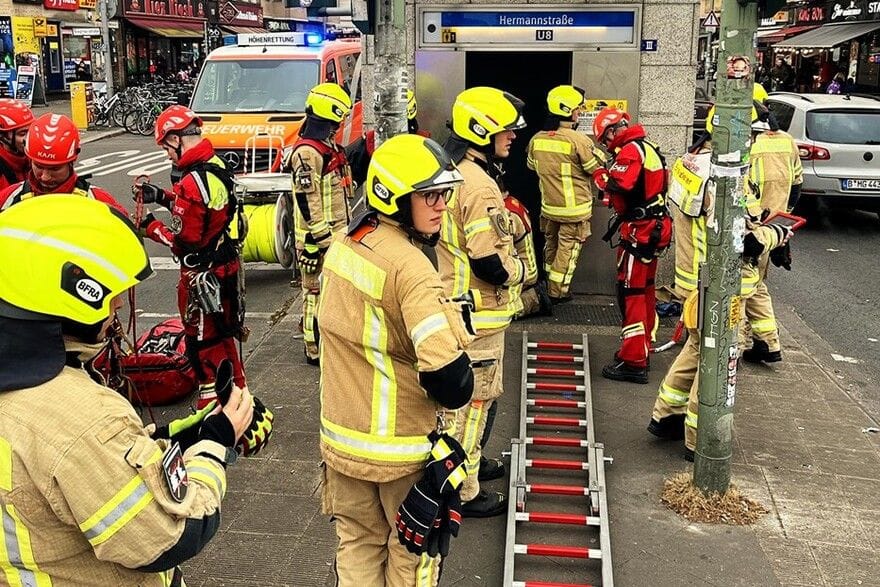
[13, 168]
[636, 186]
[74, 186]
[197, 235]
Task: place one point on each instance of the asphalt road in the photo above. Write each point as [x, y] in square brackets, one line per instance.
[834, 286]
[114, 163]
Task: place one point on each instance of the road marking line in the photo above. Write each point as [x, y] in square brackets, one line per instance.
[133, 162]
[162, 316]
[169, 263]
[845, 359]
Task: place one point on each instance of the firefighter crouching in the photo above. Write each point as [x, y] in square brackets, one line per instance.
[533, 297]
[477, 258]
[564, 160]
[52, 147]
[15, 118]
[87, 497]
[200, 234]
[635, 182]
[392, 360]
[322, 187]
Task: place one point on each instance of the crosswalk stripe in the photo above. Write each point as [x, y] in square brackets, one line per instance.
[119, 156]
[138, 160]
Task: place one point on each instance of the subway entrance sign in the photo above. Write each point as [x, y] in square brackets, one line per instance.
[514, 28]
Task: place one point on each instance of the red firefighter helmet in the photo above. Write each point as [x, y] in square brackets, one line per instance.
[607, 117]
[174, 119]
[14, 114]
[52, 140]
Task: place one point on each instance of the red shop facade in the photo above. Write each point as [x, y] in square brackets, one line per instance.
[162, 38]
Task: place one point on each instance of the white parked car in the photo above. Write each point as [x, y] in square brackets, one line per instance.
[839, 141]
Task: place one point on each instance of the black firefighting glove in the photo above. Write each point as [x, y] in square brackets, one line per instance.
[781, 256]
[446, 526]
[258, 433]
[185, 431]
[150, 193]
[752, 247]
[307, 260]
[426, 504]
[219, 429]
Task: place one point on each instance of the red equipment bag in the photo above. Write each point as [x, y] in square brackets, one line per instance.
[159, 374]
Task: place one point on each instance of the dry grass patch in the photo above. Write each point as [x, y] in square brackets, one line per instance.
[683, 497]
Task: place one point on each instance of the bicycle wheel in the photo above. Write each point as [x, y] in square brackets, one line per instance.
[130, 121]
[117, 114]
[145, 124]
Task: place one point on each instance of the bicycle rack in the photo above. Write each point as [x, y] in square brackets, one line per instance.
[571, 380]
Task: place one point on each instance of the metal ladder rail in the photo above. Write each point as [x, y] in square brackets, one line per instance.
[518, 485]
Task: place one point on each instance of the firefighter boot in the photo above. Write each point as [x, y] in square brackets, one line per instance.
[761, 353]
[490, 469]
[668, 428]
[485, 505]
[544, 300]
[620, 371]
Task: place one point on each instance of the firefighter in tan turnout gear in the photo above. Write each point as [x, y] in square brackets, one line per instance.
[476, 257]
[533, 296]
[322, 187]
[392, 362]
[564, 160]
[87, 496]
[776, 174]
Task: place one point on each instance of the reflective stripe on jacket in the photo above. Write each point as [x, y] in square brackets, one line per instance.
[775, 167]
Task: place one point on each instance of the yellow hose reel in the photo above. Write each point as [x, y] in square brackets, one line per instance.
[270, 223]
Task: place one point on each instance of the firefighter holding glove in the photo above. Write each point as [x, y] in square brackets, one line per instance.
[392, 361]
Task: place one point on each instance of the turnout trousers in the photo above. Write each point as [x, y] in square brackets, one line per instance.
[562, 247]
[311, 296]
[636, 298]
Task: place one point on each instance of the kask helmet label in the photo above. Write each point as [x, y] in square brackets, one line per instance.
[478, 129]
[78, 283]
[381, 192]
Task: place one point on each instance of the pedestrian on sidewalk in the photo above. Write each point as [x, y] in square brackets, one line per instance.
[322, 188]
[478, 257]
[776, 173]
[392, 360]
[635, 183]
[564, 160]
[52, 147]
[87, 496]
[202, 233]
[15, 120]
[534, 300]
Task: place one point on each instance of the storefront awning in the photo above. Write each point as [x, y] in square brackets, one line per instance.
[241, 30]
[170, 28]
[829, 35]
[771, 36]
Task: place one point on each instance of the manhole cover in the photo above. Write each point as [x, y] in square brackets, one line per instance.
[595, 314]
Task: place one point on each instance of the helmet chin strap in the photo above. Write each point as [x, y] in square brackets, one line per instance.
[8, 139]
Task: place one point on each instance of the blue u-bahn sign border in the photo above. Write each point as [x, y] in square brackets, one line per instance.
[540, 27]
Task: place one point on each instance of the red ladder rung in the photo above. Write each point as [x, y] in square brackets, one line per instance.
[548, 358]
[557, 550]
[543, 386]
[556, 346]
[556, 441]
[553, 421]
[555, 403]
[555, 518]
[548, 489]
[561, 464]
[548, 372]
[546, 584]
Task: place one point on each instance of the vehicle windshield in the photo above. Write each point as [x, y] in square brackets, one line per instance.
[250, 85]
[845, 127]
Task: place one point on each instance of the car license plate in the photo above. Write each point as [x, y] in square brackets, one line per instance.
[861, 184]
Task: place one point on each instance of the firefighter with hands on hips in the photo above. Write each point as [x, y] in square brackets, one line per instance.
[676, 409]
[15, 119]
[776, 173]
[322, 188]
[52, 147]
[564, 160]
[88, 495]
[200, 235]
[360, 151]
[635, 182]
[392, 361]
[534, 299]
[477, 258]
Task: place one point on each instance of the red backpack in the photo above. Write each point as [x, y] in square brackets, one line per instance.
[159, 373]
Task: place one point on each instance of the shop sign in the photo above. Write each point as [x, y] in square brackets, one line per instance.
[68, 5]
[278, 26]
[874, 10]
[41, 28]
[86, 32]
[843, 11]
[809, 15]
[185, 9]
[88, 4]
[25, 39]
[241, 14]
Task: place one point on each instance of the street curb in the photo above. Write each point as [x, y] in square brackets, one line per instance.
[104, 135]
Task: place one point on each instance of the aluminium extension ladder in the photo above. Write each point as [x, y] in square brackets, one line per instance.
[560, 369]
